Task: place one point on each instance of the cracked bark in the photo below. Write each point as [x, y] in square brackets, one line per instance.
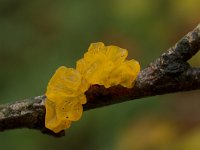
[169, 73]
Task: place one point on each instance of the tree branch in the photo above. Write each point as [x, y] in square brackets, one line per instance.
[168, 74]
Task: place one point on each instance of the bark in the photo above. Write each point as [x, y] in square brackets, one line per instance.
[169, 73]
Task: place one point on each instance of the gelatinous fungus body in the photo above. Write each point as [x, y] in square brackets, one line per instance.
[103, 65]
[107, 65]
[65, 96]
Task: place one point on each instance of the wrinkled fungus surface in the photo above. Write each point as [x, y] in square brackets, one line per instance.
[102, 65]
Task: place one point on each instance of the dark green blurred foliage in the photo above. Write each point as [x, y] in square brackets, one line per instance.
[38, 36]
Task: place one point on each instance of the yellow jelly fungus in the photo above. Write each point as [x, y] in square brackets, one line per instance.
[103, 65]
[65, 96]
[106, 65]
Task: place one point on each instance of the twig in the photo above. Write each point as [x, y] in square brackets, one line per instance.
[168, 74]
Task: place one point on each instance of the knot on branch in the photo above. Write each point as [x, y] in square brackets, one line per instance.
[170, 65]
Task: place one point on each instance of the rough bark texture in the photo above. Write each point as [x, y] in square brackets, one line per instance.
[168, 74]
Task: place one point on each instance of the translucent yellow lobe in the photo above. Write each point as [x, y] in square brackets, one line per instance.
[103, 65]
[106, 65]
[65, 96]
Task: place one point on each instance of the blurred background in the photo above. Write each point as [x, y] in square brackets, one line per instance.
[36, 37]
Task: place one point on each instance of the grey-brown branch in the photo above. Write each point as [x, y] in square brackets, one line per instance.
[168, 74]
